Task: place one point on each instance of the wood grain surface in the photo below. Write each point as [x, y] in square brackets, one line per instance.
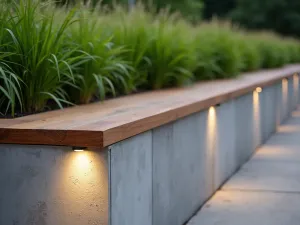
[103, 123]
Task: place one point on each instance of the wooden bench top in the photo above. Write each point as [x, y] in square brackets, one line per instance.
[101, 124]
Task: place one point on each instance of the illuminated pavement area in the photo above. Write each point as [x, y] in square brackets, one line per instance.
[266, 190]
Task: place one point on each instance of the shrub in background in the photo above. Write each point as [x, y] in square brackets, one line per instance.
[252, 60]
[271, 49]
[291, 46]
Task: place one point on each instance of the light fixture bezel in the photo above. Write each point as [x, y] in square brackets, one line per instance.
[258, 89]
[78, 148]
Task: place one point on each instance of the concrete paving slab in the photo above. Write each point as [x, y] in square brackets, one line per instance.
[267, 176]
[250, 208]
[278, 153]
[283, 146]
[275, 166]
[285, 139]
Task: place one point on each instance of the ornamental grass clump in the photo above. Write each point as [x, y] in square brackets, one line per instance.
[37, 56]
[52, 57]
[132, 31]
[170, 52]
[105, 72]
[10, 83]
[158, 47]
[272, 50]
[292, 48]
[250, 54]
[218, 53]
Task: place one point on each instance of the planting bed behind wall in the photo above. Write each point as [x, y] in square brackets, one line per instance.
[152, 158]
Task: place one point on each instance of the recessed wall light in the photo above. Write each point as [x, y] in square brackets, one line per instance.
[78, 149]
[258, 89]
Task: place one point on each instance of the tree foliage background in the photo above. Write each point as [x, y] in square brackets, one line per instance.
[282, 16]
[191, 9]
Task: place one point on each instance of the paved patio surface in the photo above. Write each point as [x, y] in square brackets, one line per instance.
[266, 190]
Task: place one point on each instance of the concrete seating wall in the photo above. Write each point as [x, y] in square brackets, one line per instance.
[160, 177]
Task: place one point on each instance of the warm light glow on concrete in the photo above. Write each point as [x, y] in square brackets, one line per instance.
[256, 118]
[211, 136]
[275, 152]
[258, 89]
[212, 112]
[288, 129]
[267, 151]
[211, 124]
[284, 85]
[285, 96]
[82, 161]
[296, 76]
[296, 88]
[282, 109]
[83, 182]
[296, 114]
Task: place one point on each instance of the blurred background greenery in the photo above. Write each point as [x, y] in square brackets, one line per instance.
[282, 16]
